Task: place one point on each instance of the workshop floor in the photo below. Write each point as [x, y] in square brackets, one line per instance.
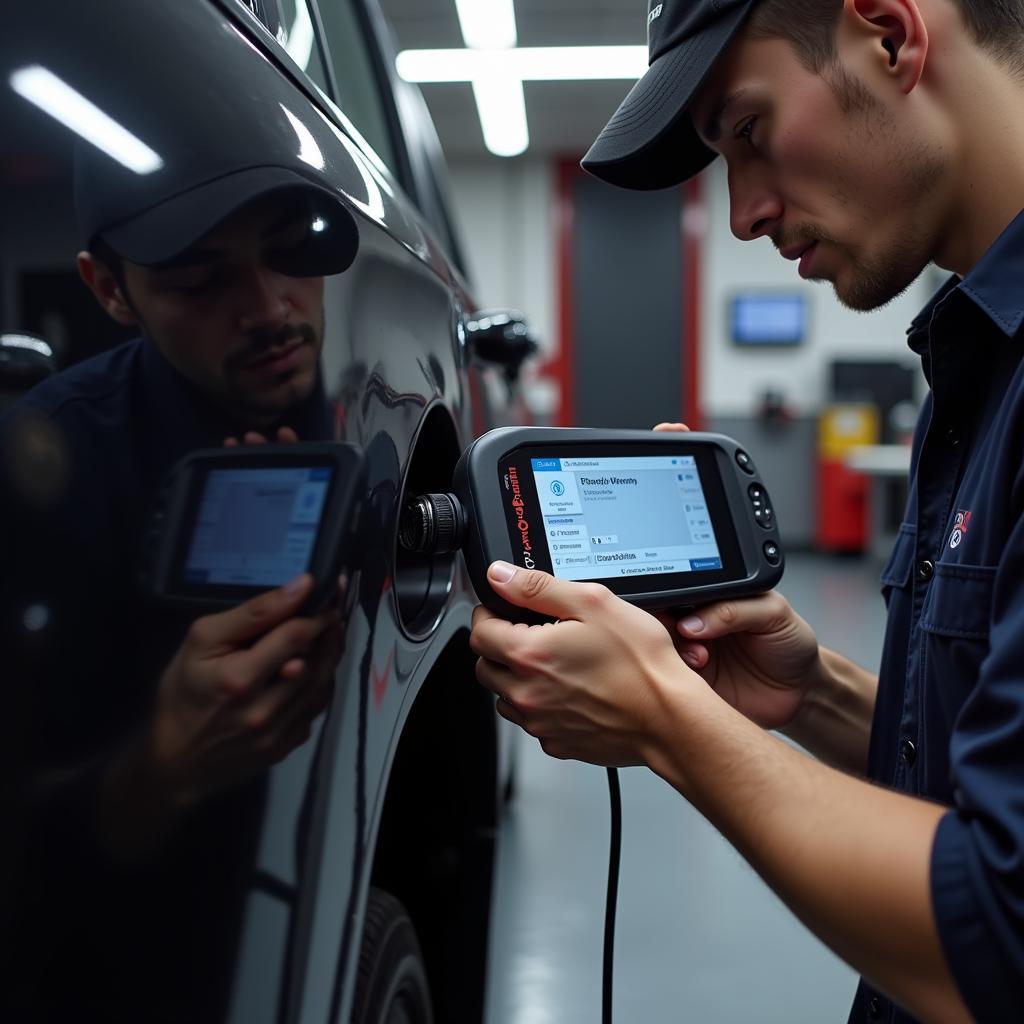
[699, 937]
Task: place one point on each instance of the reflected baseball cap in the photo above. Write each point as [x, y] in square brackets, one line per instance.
[154, 221]
[650, 142]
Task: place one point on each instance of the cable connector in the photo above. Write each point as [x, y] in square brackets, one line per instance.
[432, 524]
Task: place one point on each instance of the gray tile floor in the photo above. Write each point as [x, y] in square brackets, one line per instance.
[699, 936]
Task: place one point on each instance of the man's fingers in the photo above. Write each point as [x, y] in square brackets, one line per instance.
[667, 428]
[288, 640]
[764, 614]
[694, 655]
[285, 435]
[251, 619]
[541, 592]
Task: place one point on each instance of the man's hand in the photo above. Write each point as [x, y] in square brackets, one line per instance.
[242, 691]
[586, 686]
[756, 653]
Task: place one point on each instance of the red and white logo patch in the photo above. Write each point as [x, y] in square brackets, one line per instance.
[960, 524]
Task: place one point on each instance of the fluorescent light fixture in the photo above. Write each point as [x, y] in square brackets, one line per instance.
[55, 97]
[502, 109]
[527, 63]
[487, 24]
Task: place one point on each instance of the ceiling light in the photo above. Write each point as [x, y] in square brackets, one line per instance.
[526, 63]
[54, 96]
[502, 109]
[487, 24]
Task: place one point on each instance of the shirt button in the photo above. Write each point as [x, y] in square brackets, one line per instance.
[952, 437]
[908, 752]
[875, 1008]
[925, 570]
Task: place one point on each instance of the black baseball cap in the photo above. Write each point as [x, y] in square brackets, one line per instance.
[650, 142]
[160, 216]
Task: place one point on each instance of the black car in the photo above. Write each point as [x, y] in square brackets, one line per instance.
[367, 893]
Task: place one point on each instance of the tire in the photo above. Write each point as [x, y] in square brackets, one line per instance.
[391, 985]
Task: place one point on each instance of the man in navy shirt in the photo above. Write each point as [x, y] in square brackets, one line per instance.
[865, 138]
[147, 734]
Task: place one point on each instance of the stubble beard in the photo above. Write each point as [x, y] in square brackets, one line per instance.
[874, 281]
[291, 389]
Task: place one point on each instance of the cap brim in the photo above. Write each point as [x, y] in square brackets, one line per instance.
[650, 141]
[170, 227]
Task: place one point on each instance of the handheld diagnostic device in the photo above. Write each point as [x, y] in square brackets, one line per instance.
[662, 519]
[234, 522]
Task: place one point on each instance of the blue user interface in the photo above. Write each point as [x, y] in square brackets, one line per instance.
[256, 527]
[625, 516]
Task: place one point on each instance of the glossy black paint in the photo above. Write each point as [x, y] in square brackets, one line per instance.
[400, 782]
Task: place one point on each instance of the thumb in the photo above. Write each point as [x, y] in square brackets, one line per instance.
[767, 613]
[536, 590]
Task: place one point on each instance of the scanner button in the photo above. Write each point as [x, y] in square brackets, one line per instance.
[744, 461]
[772, 554]
[763, 511]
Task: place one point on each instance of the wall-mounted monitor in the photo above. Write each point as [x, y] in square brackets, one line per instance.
[758, 319]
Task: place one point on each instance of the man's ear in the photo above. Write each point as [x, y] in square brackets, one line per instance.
[103, 283]
[897, 35]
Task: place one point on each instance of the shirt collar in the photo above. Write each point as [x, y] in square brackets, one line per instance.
[917, 332]
[994, 283]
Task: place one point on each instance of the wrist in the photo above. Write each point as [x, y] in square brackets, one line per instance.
[836, 712]
[815, 692]
[684, 711]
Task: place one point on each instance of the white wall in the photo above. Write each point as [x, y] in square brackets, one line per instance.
[506, 213]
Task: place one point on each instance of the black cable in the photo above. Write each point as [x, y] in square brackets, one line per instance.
[614, 855]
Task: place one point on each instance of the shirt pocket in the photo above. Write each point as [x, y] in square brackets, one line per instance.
[955, 624]
[959, 601]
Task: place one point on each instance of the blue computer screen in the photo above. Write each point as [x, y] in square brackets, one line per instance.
[256, 527]
[768, 319]
[618, 517]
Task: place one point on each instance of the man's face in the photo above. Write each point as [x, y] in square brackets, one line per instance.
[836, 176]
[246, 334]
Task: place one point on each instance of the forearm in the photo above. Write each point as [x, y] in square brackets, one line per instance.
[850, 859]
[834, 722]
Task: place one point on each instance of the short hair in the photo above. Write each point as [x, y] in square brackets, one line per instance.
[997, 26]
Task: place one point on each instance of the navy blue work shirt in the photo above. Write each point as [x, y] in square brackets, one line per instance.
[95, 940]
[949, 717]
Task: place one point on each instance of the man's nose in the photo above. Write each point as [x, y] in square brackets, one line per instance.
[754, 205]
[263, 300]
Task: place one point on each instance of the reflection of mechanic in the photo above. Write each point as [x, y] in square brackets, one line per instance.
[146, 749]
[865, 137]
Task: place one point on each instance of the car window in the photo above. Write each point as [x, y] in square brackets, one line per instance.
[360, 94]
[294, 31]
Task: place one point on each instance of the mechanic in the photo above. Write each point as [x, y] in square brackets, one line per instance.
[148, 734]
[864, 138]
